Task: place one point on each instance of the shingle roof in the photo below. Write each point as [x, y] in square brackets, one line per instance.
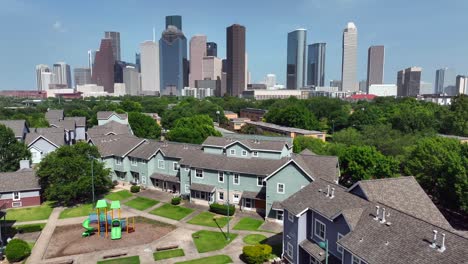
[57, 139]
[22, 180]
[16, 125]
[163, 177]
[79, 120]
[251, 144]
[116, 145]
[324, 167]
[202, 187]
[68, 124]
[111, 127]
[54, 114]
[313, 249]
[254, 195]
[404, 194]
[169, 149]
[106, 114]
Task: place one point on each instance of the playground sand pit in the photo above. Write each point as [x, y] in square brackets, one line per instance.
[67, 240]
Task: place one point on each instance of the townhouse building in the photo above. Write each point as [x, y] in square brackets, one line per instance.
[252, 174]
[19, 127]
[374, 221]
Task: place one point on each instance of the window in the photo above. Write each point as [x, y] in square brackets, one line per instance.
[244, 153]
[236, 179]
[290, 217]
[279, 215]
[280, 188]
[220, 176]
[289, 250]
[175, 166]
[232, 152]
[161, 164]
[260, 181]
[199, 173]
[356, 260]
[255, 154]
[118, 161]
[16, 196]
[221, 195]
[338, 247]
[16, 204]
[133, 161]
[319, 229]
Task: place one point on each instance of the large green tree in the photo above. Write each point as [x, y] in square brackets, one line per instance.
[65, 174]
[11, 150]
[193, 129]
[144, 126]
[292, 113]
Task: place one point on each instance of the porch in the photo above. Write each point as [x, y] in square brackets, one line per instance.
[165, 182]
[202, 193]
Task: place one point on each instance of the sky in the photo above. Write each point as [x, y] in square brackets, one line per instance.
[431, 34]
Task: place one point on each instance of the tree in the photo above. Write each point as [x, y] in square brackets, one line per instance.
[131, 106]
[315, 145]
[65, 174]
[292, 113]
[144, 126]
[193, 129]
[11, 150]
[456, 122]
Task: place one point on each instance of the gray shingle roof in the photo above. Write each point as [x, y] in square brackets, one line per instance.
[324, 167]
[17, 126]
[202, 187]
[251, 144]
[57, 139]
[254, 195]
[79, 120]
[54, 114]
[404, 194]
[164, 177]
[22, 180]
[313, 249]
[169, 149]
[116, 145]
[106, 114]
[111, 127]
[68, 124]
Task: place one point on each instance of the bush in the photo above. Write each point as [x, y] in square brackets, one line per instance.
[17, 250]
[135, 189]
[115, 183]
[256, 254]
[175, 200]
[29, 228]
[222, 209]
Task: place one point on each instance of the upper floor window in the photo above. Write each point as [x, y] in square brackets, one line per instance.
[198, 173]
[232, 152]
[280, 188]
[16, 196]
[133, 161]
[161, 164]
[356, 260]
[338, 247]
[260, 181]
[175, 166]
[118, 161]
[255, 154]
[244, 153]
[319, 229]
[220, 176]
[236, 179]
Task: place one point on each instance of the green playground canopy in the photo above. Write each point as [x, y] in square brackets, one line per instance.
[102, 204]
[115, 205]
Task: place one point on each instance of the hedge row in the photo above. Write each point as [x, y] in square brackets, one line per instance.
[222, 209]
[257, 254]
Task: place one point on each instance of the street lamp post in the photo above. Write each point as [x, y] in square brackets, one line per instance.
[228, 238]
[92, 175]
[324, 245]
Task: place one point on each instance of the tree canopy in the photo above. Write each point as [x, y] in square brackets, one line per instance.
[144, 126]
[11, 150]
[193, 129]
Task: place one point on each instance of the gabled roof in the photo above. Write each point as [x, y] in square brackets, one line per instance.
[404, 194]
[54, 114]
[224, 142]
[116, 145]
[324, 167]
[110, 128]
[80, 121]
[56, 139]
[67, 124]
[17, 126]
[22, 180]
[169, 149]
[104, 115]
[307, 152]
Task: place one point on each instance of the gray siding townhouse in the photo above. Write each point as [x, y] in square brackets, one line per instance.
[42, 141]
[104, 117]
[74, 127]
[19, 128]
[259, 174]
[375, 221]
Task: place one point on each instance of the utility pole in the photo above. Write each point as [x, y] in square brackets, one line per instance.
[228, 237]
[92, 174]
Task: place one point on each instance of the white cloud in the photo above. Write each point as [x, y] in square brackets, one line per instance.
[58, 27]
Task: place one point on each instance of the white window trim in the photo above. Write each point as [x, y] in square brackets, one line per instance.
[277, 187]
[219, 175]
[234, 179]
[175, 166]
[159, 164]
[338, 247]
[289, 250]
[219, 196]
[242, 153]
[16, 204]
[19, 196]
[232, 152]
[255, 154]
[133, 161]
[202, 175]
[290, 217]
[261, 181]
[324, 230]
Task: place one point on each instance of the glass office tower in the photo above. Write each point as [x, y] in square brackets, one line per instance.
[316, 64]
[173, 61]
[296, 59]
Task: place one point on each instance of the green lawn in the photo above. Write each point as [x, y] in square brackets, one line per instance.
[254, 239]
[248, 223]
[166, 254]
[207, 219]
[77, 211]
[219, 259]
[172, 211]
[141, 203]
[127, 260]
[119, 196]
[30, 214]
[31, 244]
[206, 241]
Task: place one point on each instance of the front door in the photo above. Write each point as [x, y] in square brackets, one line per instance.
[235, 198]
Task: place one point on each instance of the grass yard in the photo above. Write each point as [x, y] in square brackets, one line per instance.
[248, 223]
[172, 211]
[118, 196]
[31, 244]
[141, 203]
[41, 212]
[219, 259]
[127, 260]
[209, 219]
[77, 211]
[206, 241]
[167, 254]
[254, 239]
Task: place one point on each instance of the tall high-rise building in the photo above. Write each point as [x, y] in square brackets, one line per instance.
[131, 78]
[349, 59]
[46, 80]
[316, 64]
[62, 74]
[400, 83]
[363, 86]
[138, 61]
[103, 71]
[39, 70]
[211, 49]
[115, 37]
[296, 59]
[235, 60]
[150, 72]
[270, 80]
[461, 84]
[173, 61]
[212, 68]
[174, 20]
[91, 58]
[375, 65]
[82, 76]
[412, 81]
[197, 52]
[445, 81]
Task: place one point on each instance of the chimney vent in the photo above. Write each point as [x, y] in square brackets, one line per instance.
[25, 164]
[332, 193]
[442, 247]
[382, 220]
[434, 239]
[377, 213]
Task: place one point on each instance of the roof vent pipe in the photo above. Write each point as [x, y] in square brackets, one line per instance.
[328, 190]
[377, 213]
[434, 239]
[332, 193]
[442, 247]
[383, 216]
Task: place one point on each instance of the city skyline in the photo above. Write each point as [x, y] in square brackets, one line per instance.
[64, 37]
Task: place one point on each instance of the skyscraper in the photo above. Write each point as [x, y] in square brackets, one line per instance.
[296, 59]
[375, 65]
[82, 76]
[103, 71]
[131, 78]
[212, 67]
[270, 80]
[174, 20]
[197, 52]
[39, 70]
[462, 84]
[412, 81]
[349, 59]
[400, 83]
[173, 61]
[150, 73]
[62, 74]
[115, 37]
[211, 49]
[91, 58]
[138, 61]
[316, 64]
[235, 60]
[46, 79]
[445, 81]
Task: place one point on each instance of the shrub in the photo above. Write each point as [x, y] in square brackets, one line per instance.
[175, 200]
[17, 250]
[222, 209]
[256, 254]
[115, 183]
[135, 188]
